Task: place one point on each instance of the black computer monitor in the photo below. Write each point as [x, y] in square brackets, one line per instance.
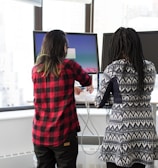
[105, 50]
[149, 41]
[83, 48]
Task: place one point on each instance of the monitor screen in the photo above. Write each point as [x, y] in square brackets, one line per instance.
[149, 41]
[82, 48]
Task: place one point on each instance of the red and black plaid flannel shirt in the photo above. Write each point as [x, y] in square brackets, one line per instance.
[55, 109]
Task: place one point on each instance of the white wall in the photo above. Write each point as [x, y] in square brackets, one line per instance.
[15, 129]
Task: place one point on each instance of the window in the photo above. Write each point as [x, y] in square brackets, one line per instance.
[142, 15]
[16, 33]
[16, 53]
[68, 16]
[16, 45]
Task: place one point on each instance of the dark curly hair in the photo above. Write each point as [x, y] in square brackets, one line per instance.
[126, 44]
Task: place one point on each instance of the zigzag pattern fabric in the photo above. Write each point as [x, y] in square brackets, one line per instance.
[130, 136]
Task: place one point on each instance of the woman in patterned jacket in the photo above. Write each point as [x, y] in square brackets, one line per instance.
[130, 139]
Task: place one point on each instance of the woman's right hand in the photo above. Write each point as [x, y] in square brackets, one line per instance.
[90, 88]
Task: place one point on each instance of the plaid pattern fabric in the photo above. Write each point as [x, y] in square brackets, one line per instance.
[55, 109]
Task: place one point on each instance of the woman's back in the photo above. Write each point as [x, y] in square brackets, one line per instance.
[130, 135]
[55, 103]
[127, 80]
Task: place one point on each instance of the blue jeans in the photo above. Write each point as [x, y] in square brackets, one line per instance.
[64, 156]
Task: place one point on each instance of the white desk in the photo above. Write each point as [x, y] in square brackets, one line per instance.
[154, 103]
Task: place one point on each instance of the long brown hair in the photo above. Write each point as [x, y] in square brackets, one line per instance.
[53, 52]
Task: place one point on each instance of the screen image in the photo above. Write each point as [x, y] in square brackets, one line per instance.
[149, 40]
[82, 48]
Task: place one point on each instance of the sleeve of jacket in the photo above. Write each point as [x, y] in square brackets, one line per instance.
[106, 87]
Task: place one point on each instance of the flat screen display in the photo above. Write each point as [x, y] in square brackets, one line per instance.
[149, 41]
[105, 50]
[82, 48]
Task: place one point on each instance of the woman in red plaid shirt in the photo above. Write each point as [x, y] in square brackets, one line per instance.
[55, 122]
